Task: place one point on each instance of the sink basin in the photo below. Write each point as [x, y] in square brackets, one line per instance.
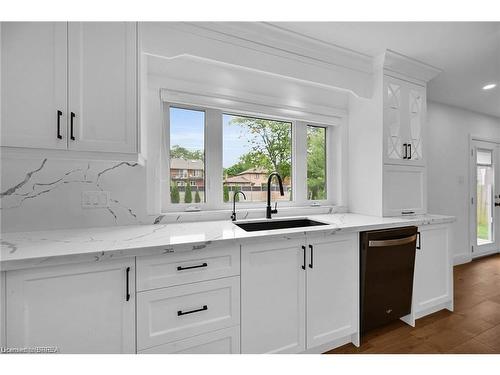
[254, 226]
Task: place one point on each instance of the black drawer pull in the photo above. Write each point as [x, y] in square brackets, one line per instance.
[180, 312]
[180, 268]
[127, 297]
[72, 134]
[59, 114]
[409, 154]
[419, 241]
[304, 264]
[312, 249]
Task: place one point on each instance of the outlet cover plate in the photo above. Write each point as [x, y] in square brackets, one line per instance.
[95, 199]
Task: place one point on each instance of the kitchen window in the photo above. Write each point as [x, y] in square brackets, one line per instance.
[186, 153]
[212, 153]
[316, 163]
[252, 149]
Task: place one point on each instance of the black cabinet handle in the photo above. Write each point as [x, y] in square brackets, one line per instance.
[409, 147]
[311, 263]
[419, 241]
[180, 312]
[72, 136]
[405, 145]
[127, 297]
[304, 264]
[59, 114]
[180, 268]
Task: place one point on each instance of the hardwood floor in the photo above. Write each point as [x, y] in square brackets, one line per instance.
[473, 328]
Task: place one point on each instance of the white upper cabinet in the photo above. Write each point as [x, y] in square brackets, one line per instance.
[102, 86]
[70, 86]
[404, 118]
[34, 84]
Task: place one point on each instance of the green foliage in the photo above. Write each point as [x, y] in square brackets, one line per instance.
[316, 163]
[236, 197]
[188, 197]
[174, 193]
[197, 197]
[270, 145]
[183, 153]
[226, 193]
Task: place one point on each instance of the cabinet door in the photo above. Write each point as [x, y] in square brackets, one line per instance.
[102, 86]
[417, 108]
[332, 288]
[405, 189]
[273, 297]
[395, 129]
[77, 308]
[34, 84]
[433, 283]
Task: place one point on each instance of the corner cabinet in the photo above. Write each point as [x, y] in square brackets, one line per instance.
[79, 81]
[80, 308]
[404, 118]
[298, 294]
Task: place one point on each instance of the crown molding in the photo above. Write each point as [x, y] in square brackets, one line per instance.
[394, 62]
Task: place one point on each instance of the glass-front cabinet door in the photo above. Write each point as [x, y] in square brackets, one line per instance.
[404, 116]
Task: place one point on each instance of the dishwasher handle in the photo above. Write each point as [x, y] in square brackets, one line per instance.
[396, 242]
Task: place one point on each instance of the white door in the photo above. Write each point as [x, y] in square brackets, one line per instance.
[485, 193]
[81, 308]
[102, 86]
[332, 288]
[34, 84]
[273, 297]
[433, 279]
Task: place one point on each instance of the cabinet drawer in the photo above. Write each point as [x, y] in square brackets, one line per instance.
[223, 341]
[183, 268]
[175, 313]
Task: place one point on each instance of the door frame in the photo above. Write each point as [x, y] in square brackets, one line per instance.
[472, 195]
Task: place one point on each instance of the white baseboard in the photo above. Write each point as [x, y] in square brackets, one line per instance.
[461, 259]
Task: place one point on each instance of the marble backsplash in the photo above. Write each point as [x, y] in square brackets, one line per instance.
[43, 194]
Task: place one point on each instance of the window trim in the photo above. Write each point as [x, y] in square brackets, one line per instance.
[213, 143]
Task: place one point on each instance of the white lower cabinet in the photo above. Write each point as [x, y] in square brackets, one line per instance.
[332, 288]
[223, 341]
[273, 297]
[433, 280]
[79, 308]
[297, 295]
[179, 312]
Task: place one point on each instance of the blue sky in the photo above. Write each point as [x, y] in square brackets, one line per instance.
[186, 130]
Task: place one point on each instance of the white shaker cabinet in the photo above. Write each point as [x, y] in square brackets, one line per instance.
[433, 279]
[70, 86]
[404, 119]
[332, 287]
[79, 308]
[299, 294]
[273, 297]
[102, 86]
[34, 84]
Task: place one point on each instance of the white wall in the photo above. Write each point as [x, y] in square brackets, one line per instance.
[448, 165]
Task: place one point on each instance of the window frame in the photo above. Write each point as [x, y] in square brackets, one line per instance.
[213, 147]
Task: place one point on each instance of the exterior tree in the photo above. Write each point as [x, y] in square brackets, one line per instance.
[270, 144]
[316, 163]
[226, 193]
[180, 152]
[174, 193]
[188, 196]
[197, 198]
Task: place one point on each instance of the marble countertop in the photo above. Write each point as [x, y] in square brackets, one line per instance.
[29, 249]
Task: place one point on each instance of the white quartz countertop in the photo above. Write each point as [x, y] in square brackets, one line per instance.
[28, 249]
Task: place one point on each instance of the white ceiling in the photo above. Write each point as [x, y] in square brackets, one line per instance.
[467, 52]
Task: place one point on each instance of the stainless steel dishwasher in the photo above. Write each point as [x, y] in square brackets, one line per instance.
[387, 264]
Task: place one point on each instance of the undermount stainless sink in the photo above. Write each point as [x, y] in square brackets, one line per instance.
[254, 226]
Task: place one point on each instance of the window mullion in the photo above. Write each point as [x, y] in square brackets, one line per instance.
[213, 155]
[299, 163]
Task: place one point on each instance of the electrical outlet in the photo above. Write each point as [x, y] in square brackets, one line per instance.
[95, 199]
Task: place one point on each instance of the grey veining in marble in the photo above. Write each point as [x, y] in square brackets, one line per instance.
[27, 249]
